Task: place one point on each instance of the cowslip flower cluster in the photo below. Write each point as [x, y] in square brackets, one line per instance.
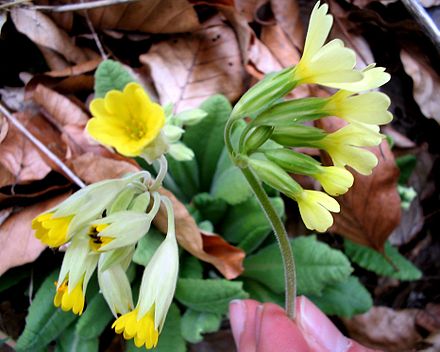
[276, 127]
[102, 223]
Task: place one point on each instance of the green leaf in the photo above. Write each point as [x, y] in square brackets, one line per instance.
[206, 138]
[317, 266]
[406, 164]
[374, 261]
[70, 341]
[211, 208]
[170, 340]
[95, 318]
[261, 293]
[194, 324]
[44, 322]
[212, 295]
[190, 267]
[14, 276]
[147, 246]
[246, 224]
[229, 183]
[111, 75]
[186, 176]
[344, 299]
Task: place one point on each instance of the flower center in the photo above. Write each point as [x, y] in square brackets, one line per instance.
[95, 240]
[136, 130]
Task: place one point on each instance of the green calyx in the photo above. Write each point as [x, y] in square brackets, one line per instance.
[298, 136]
[294, 162]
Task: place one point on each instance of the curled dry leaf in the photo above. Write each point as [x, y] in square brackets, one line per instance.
[92, 167]
[385, 328]
[18, 245]
[164, 16]
[370, 210]
[4, 127]
[189, 68]
[44, 32]
[208, 247]
[75, 70]
[426, 88]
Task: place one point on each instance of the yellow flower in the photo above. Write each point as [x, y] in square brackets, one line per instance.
[328, 64]
[128, 121]
[370, 108]
[96, 241]
[344, 147]
[70, 300]
[335, 180]
[315, 208]
[373, 77]
[143, 330]
[51, 231]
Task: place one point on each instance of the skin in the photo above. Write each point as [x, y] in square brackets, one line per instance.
[258, 327]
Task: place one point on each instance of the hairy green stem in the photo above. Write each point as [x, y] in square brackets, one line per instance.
[275, 221]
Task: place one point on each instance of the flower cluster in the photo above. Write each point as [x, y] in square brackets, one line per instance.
[278, 126]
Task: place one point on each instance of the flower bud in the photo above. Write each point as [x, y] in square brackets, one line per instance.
[191, 117]
[257, 138]
[297, 136]
[181, 152]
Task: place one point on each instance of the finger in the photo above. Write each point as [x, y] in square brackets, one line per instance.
[276, 332]
[242, 317]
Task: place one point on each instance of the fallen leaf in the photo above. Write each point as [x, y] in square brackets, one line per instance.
[399, 140]
[18, 245]
[410, 225]
[43, 31]
[426, 88]
[385, 328]
[4, 127]
[370, 210]
[75, 70]
[208, 247]
[189, 68]
[429, 318]
[93, 168]
[20, 157]
[245, 8]
[158, 16]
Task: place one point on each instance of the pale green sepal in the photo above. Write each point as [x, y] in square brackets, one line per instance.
[298, 136]
[122, 201]
[191, 117]
[120, 256]
[180, 152]
[294, 162]
[156, 148]
[172, 133]
[257, 138]
[140, 203]
[275, 177]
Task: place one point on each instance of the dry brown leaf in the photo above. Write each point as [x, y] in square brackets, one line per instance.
[92, 167]
[247, 8]
[429, 318]
[189, 68]
[399, 140]
[20, 157]
[426, 82]
[152, 16]
[208, 247]
[63, 110]
[385, 328]
[75, 70]
[4, 127]
[370, 210]
[44, 32]
[18, 245]
[410, 225]
[287, 15]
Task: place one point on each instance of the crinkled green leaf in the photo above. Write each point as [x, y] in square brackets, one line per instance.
[194, 324]
[317, 266]
[44, 322]
[111, 75]
[170, 340]
[374, 261]
[70, 341]
[185, 174]
[147, 246]
[14, 276]
[95, 318]
[246, 224]
[261, 293]
[212, 296]
[345, 298]
[211, 208]
[190, 267]
[206, 138]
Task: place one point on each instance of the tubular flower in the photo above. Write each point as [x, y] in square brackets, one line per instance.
[344, 147]
[315, 208]
[369, 108]
[70, 300]
[145, 322]
[57, 226]
[128, 121]
[335, 180]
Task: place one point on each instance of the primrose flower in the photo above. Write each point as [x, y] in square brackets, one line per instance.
[315, 208]
[344, 147]
[128, 121]
[77, 268]
[335, 180]
[369, 108]
[145, 322]
[56, 226]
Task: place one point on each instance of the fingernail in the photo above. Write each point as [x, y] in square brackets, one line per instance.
[237, 313]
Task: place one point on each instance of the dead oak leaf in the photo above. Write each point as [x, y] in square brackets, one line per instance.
[370, 210]
[208, 247]
[426, 82]
[18, 245]
[189, 68]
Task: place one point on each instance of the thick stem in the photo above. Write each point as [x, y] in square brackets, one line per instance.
[276, 223]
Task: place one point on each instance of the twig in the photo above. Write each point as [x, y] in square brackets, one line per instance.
[425, 21]
[82, 6]
[95, 36]
[57, 161]
[12, 3]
